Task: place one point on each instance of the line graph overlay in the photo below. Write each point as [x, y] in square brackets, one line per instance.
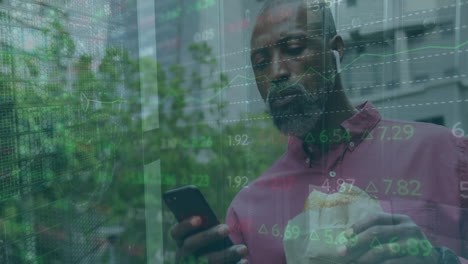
[311, 69]
[86, 101]
[379, 108]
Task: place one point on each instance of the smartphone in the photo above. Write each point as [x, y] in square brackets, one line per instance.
[188, 201]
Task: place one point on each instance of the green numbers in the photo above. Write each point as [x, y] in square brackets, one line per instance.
[238, 140]
[408, 130]
[168, 180]
[201, 142]
[185, 180]
[190, 143]
[328, 236]
[334, 237]
[290, 231]
[194, 6]
[393, 246]
[403, 187]
[397, 133]
[198, 142]
[342, 240]
[381, 133]
[326, 185]
[309, 138]
[417, 186]
[347, 135]
[384, 131]
[353, 240]
[275, 231]
[426, 247]
[271, 138]
[287, 232]
[338, 182]
[200, 180]
[389, 185]
[393, 133]
[367, 135]
[457, 131]
[400, 187]
[411, 247]
[336, 135]
[296, 231]
[341, 187]
[238, 181]
[323, 136]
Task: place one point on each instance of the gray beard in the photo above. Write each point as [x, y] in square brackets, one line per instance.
[301, 115]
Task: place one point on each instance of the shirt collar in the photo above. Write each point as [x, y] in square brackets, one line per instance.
[359, 125]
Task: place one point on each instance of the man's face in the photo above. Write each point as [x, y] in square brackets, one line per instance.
[287, 56]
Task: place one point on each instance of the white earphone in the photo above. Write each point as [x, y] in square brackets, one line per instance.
[337, 59]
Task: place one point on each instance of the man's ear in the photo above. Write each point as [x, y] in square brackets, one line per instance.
[337, 43]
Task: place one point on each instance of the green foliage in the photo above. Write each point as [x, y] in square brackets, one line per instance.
[77, 145]
[182, 156]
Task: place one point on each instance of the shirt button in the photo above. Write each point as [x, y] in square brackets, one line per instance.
[351, 144]
[332, 174]
[307, 160]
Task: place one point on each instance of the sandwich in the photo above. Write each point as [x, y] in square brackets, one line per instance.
[323, 223]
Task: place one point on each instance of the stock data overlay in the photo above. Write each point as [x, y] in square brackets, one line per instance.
[221, 131]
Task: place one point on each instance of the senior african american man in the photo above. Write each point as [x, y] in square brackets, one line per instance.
[295, 60]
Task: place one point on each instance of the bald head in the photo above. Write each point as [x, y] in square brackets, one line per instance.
[293, 62]
[317, 13]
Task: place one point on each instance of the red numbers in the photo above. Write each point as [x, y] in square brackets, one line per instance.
[291, 138]
[285, 13]
[277, 183]
[238, 26]
[270, 18]
[244, 226]
[283, 138]
[274, 139]
[289, 182]
[169, 44]
[260, 19]
[231, 222]
[238, 225]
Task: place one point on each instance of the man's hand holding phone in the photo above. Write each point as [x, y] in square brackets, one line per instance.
[193, 240]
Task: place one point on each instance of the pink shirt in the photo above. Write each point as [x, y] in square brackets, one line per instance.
[382, 157]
